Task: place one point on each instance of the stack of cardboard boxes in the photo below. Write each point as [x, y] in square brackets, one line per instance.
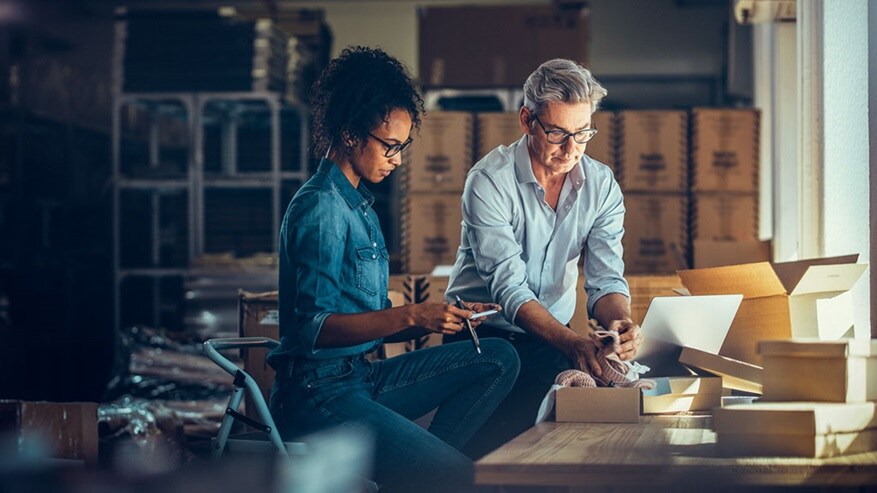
[724, 185]
[652, 149]
[818, 402]
[434, 175]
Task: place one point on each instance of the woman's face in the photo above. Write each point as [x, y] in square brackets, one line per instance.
[369, 162]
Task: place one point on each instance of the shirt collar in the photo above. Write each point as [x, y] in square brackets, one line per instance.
[524, 167]
[356, 198]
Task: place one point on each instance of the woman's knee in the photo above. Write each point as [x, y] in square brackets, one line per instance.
[503, 353]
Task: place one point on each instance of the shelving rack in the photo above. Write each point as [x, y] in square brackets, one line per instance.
[174, 188]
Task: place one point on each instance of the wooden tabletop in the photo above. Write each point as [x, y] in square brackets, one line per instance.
[660, 450]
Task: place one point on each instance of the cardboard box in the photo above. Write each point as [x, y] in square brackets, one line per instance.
[682, 394]
[709, 253]
[441, 155]
[258, 317]
[63, 430]
[655, 233]
[812, 370]
[603, 146]
[653, 151]
[494, 130]
[807, 298]
[431, 226]
[736, 375]
[598, 405]
[724, 150]
[803, 429]
[724, 216]
[481, 46]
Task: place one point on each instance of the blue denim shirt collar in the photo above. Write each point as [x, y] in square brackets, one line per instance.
[524, 167]
[356, 198]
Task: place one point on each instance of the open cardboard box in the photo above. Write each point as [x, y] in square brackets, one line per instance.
[682, 394]
[807, 298]
[736, 375]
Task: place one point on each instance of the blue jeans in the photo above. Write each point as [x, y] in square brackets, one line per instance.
[382, 397]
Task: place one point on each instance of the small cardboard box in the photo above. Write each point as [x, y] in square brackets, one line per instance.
[431, 225]
[736, 375]
[65, 430]
[803, 429]
[709, 253]
[682, 394]
[441, 155]
[655, 233]
[826, 371]
[724, 150]
[724, 216]
[598, 405]
[807, 298]
[653, 151]
[494, 130]
[603, 146]
[469, 46]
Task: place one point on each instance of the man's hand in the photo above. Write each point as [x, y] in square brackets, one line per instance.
[582, 351]
[630, 338]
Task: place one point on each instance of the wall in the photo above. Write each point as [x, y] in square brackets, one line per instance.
[845, 152]
[872, 132]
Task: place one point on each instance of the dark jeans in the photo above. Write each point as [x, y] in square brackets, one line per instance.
[540, 364]
[382, 397]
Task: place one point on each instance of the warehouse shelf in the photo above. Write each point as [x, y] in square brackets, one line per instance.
[175, 211]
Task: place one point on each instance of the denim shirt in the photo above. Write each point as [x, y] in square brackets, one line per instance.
[515, 248]
[333, 259]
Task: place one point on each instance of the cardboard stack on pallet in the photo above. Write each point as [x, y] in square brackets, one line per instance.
[652, 150]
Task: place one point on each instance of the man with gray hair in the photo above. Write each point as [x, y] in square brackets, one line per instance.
[530, 210]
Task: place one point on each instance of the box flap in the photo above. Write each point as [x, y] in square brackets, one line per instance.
[685, 386]
[790, 273]
[751, 280]
[735, 374]
[813, 348]
[829, 278]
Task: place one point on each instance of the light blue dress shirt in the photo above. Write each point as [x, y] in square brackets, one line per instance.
[515, 248]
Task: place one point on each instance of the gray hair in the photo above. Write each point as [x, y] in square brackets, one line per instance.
[561, 81]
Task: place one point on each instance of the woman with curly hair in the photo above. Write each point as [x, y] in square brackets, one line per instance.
[333, 298]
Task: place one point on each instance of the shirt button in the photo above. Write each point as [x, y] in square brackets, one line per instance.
[374, 245]
[374, 256]
[566, 207]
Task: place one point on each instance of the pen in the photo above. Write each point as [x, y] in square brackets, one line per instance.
[469, 326]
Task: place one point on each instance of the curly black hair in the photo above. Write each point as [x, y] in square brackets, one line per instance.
[356, 93]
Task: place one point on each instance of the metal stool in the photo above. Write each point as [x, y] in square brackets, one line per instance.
[243, 381]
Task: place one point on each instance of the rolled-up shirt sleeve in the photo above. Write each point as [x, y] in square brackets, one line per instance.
[604, 267]
[497, 253]
[315, 244]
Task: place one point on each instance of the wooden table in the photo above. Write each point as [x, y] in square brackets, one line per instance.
[661, 452]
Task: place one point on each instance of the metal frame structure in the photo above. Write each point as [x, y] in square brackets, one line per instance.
[195, 183]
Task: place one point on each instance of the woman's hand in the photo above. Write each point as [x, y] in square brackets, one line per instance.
[441, 318]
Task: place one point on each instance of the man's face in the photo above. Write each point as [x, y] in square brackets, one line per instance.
[569, 117]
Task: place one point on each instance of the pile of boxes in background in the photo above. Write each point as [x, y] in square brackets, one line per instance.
[690, 183]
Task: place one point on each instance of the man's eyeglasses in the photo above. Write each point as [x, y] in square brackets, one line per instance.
[558, 136]
[392, 149]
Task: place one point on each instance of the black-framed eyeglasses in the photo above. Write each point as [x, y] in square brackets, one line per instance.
[392, 149]
[558, 136]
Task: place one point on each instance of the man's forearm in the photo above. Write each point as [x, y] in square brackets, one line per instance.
[613, 306]
[536, 320]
